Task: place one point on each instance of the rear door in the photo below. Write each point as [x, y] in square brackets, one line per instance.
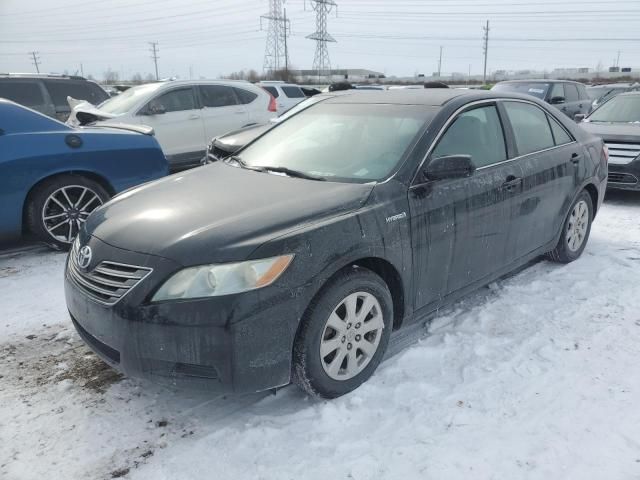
[60, 89]
[221, 110]
[179, 130]
[549, 159]
[459, 227]
[27, 92]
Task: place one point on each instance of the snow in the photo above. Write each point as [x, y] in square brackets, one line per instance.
[535, 377]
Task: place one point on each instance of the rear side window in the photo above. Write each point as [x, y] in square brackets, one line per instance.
[476, 132]
[293, 92]
[28, 94]
[530, 127]
[272, 90]
[217, 96]
[176, 100]
[60, 90]
[571, 92]
[245, 96]
[560, 135]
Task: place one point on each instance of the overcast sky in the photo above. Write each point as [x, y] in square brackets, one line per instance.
[397, 37]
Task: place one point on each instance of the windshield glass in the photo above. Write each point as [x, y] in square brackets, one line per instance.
[300, 106]
[341, 142]
[126, 100]
[536, 89]
[620, 109]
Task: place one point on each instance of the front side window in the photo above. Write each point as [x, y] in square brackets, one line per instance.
[557, 91]
[530, 127]
[341, 142]
[176, 100]
[293, 92]
[217, 96]
[24, 93]
[477, 133]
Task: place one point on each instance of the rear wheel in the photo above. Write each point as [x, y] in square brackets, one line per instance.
[59, 206]
[575, 232]
[344, 334]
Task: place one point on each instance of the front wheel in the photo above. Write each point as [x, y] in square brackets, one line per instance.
[575, 231]
[59, 206]
[344, 334]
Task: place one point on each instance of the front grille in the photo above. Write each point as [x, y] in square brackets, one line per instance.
[627, 178]
[622, 153]
[108, 282]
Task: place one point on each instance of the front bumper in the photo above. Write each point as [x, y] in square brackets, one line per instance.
[624, 176]
[236, 343]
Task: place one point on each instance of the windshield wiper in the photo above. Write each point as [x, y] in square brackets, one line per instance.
[242, 163]
[293, 173]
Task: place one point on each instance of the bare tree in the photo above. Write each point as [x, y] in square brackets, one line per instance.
[149, 78]
[111, 76]
[137, 79]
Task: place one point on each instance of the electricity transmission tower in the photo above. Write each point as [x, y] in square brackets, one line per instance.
[321, 62]
[36, 60]
[154, 55]
[485, 49]
[275, 52]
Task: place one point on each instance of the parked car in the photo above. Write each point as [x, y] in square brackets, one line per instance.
[601, 93]
[310, 91]
[287, 95]
[295, 259]
[185, 115]
[570, 98]
[48, 93]
[52, 176]
[617, 122]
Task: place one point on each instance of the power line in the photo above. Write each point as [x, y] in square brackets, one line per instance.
[36, 61]
[154, 55]
[321, 62]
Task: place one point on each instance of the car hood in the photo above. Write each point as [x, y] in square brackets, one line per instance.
[233, 141]
[616, 132]
[83, 113]
[218, 213]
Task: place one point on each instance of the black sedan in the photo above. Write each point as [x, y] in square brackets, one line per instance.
[617, 122]
[297, 258]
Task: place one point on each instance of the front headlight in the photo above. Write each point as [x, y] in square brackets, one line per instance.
[222, 279]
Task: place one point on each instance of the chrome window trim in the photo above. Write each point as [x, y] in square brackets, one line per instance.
[489, 101]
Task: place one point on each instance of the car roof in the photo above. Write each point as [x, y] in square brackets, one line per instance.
[629, 94]
[539, 80]
[53, 76]
[426, 96]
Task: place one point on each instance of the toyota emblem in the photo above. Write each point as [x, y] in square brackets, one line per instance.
[84, 256]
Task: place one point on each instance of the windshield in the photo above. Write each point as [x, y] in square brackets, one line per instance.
[126, 100]
[300, 106]
[536, 89]
[341, 142]
[620, 109]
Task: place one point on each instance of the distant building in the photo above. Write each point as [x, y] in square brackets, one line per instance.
[349, 74]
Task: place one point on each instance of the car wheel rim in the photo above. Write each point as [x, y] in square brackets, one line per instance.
[577, 226]
[351, 336]
[66, 209]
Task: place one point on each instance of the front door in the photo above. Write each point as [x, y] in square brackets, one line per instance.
[178, 125]
[459, 226]
[221, 110]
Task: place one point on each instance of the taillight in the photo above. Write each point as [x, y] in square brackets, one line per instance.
[272, 104]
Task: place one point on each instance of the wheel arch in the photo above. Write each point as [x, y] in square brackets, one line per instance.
[102, 181]
[593, 193]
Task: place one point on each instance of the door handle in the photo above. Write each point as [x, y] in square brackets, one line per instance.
[575, 158]
[512, 183]
[195, 116]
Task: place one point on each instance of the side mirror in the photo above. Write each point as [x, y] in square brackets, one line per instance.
[578, 117]
[452, 166]
[556, 100]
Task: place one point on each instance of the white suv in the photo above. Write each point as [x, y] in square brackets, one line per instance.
[185, 115]
[287, 95]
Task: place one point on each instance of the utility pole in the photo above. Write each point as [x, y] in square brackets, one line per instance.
[485, 48]
[321, 62]
[36, 60]
[81, 70]
[618, 60]
[275, 56]
[440, 64]
[154, 55]
[469, 75]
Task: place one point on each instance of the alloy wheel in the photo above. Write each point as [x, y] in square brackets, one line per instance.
[351, 336]
[577, 226]
[66, 209]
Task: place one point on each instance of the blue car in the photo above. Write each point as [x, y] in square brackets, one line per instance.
[53, 176]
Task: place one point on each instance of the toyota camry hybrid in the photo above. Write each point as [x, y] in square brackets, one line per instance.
[295, 259]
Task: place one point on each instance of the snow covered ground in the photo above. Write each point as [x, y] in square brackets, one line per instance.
[535, 377]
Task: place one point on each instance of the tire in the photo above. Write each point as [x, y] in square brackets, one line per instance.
[348, 358]
[573, 239]
[60, 205]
